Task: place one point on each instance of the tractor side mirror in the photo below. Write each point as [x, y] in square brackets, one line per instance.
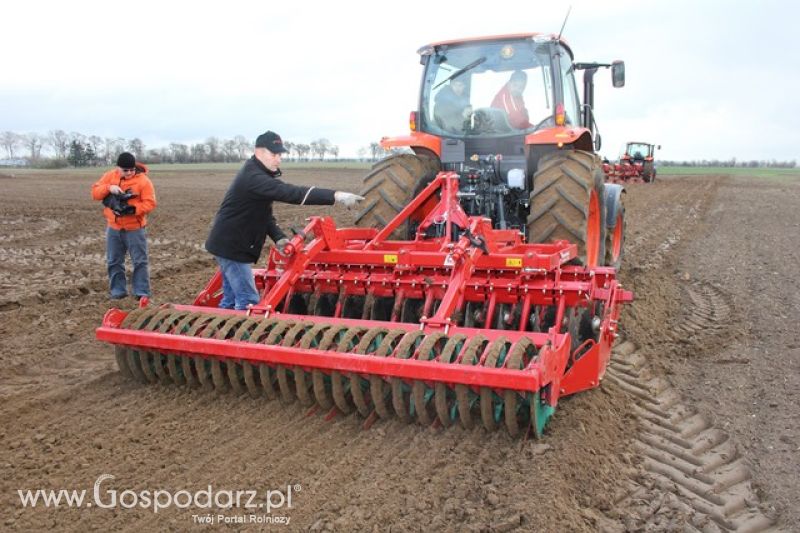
[658, 147]
[618, 73]
[598, 142]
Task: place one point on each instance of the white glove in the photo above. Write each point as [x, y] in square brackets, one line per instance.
[281, 244]
[114, 189]
[347, 199]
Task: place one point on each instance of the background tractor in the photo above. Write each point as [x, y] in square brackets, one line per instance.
[636, 164]
[641, 156]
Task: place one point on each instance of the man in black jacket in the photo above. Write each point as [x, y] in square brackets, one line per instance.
[245, 219]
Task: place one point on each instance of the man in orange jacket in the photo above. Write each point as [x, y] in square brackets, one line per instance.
[128, 195]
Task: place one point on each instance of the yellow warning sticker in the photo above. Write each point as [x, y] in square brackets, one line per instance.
[390, 258]
[514, 262]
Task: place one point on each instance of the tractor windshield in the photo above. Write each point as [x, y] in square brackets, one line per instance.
[488, 89]
[638, 150]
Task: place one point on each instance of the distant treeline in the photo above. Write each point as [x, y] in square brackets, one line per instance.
[58, 149]
[730, 163]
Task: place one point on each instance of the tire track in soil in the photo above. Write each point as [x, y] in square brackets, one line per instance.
[694, 470]
[710, 313]
[694, 477]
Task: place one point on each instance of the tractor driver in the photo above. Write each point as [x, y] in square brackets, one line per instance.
[451, 106]
[245, 218]
[509, 99]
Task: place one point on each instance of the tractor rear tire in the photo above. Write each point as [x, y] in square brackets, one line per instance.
[390, 186]
[568, 203]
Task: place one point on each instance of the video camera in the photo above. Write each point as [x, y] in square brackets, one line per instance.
[118, 203]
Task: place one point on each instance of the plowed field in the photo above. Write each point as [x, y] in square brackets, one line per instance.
[694, 428]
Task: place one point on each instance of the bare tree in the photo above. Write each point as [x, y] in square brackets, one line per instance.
[375, 149]
[33, 142]
[325, 147]
[136, 146]
[321, 147]
[302, 150]
[153, 155]
[96, 143]
[112, 147]
[59, 141]
[229, 150]
[242, 146]
[108, 149]
[335, 151]
[212, 149]
[10, 141]
[199, 153]
[179, 152]
[289, 147]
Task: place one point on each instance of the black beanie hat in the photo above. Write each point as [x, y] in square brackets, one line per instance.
[126, 160]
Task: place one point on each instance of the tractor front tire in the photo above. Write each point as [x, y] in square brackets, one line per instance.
[568, 202]
[390, 186]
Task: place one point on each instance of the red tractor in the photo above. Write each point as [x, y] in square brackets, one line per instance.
[547, 181]
[636, 164]
[480, 283]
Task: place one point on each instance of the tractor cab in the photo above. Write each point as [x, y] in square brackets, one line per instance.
[486, 96]
[639, 152]
[501, 89]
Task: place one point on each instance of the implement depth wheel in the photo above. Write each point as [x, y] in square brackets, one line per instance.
[390, 186]
[568, 203]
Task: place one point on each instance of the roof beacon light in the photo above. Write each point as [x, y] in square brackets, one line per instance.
[561, 118]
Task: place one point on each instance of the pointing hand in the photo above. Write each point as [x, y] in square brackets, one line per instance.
[347, 199]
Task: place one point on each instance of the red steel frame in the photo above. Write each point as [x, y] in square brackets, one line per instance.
[486, 266]
[626, 171]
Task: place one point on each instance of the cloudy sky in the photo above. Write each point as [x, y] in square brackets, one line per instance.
[705, 79]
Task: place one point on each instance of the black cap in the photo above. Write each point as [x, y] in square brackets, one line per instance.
[126, 160]
[271, 141]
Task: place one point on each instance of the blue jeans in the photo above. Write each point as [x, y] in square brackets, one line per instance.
[238, 284]
[118, 244]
